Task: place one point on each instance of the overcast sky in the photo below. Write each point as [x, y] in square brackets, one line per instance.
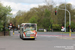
[27, 4]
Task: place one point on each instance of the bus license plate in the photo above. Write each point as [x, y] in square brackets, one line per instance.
[27, 34]
[31, 37]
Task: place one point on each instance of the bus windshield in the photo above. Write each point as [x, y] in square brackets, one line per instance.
[29, 27]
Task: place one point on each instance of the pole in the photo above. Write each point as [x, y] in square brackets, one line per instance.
[70, 24]
[65, 15]
[13, 31]
[4, 24]
[69, 21]
[69, 16]
[4, 28]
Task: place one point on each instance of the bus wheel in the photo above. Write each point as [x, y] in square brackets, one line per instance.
[22, 37]
[33, 38]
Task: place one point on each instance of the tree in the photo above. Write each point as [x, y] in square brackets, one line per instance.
[72, 24]
[4, 11]
[33, 19]
[45, 16]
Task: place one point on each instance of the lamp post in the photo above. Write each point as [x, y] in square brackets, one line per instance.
[65, 18]
[65, 15]
[69, 19]
[69, 15]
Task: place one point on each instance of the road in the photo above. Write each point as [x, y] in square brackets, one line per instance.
[44, 41]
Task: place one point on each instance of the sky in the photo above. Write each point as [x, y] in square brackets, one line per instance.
[25, 5]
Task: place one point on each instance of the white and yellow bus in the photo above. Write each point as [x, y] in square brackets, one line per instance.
[28, 31]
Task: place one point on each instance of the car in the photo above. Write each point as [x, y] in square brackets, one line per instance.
[63, 29]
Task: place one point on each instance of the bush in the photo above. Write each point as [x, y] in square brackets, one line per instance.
[56, 26]
[7, 30]
[72, 25]
[1, 28]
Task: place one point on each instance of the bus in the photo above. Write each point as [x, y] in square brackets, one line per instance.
[28, 31]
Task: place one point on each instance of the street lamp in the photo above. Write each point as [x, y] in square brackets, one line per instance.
[65, 18]
[65, 15]
[69, 18]
[69, 15]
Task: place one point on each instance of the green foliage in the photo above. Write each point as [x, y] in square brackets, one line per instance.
[44, 16]
[56, 26]
[7, 30]
[33, 19]
[47, 13]
[72, 24]
[4, 11]
[46, 23]
[1, 27]
[67, 24]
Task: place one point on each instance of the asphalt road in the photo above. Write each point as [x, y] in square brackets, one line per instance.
[42, 42]
[54, 34]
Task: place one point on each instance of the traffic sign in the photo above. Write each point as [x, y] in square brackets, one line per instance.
[62, 27]
[10, 24]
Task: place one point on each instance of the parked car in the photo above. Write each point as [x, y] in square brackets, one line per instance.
[63, 29]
